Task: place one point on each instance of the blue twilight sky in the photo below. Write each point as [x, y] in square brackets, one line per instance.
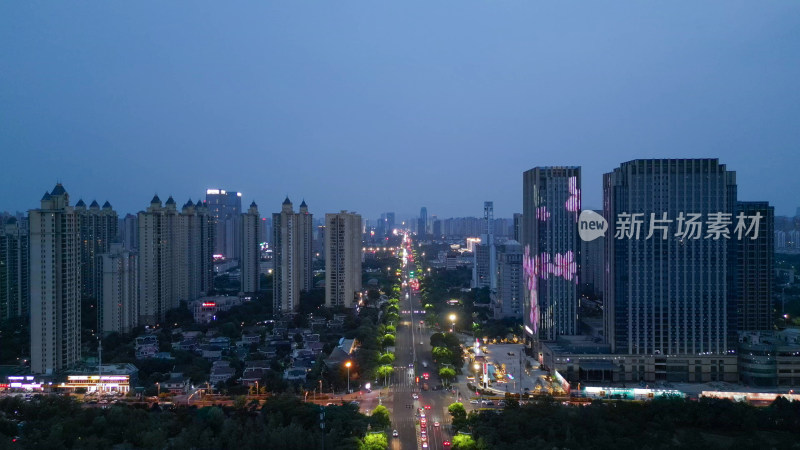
[389, 105]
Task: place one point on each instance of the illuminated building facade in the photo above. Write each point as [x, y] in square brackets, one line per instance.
[551, 206]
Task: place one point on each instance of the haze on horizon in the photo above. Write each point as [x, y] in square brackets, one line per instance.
[389, 106]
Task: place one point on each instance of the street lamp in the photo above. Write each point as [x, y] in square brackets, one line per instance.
[453, 321]
[348, 364]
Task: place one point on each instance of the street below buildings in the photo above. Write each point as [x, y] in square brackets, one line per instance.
[413, 353]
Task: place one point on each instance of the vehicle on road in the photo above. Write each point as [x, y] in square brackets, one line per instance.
[415, 396]
[424, 364]
[395, 433]
[474, 402]
[446, 443]
[424, 445]
[436, 424]
[427, 406]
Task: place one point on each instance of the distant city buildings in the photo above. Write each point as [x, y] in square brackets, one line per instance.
[55, 284]
[292, 254]
[250, 249]
[422, 223]
[226, 208]
[342, 259]
[551, 205]
[14, 265]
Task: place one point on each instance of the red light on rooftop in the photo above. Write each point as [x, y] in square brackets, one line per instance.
[209, 304]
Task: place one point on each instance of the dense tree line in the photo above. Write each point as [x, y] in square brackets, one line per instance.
[662, 423]
[283, 422]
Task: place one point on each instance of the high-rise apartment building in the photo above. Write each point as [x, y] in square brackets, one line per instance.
[226, 208]
[342, 259]
[670, 276]
[14, 288]
[484, 270]
[55, 284]
[251, 250]
[156, 261]
[118, 293]
[175, 256]
[507, 298]
[551, 206]
[517, 234]
[98, 229]
[292, 256]
[755, 267]
[198, 228]
[130, 231]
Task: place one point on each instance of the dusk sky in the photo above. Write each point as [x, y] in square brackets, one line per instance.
[379, 106]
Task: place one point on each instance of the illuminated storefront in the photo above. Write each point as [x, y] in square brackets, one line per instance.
[92, 383]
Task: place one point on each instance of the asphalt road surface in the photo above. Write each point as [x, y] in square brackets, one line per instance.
[412, 349]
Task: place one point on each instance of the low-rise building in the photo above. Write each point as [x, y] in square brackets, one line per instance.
[146, 346]
[221, 371]
[205, 309]
[770, 358]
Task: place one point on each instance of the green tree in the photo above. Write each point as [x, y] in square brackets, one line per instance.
[447, 374]
[392, 317]
[239, 402]
[442, 354]
[375, 441]
[459, 415]
[384, 372]
[380, 417]
[464, 442]
[386, 358]
[388, 340]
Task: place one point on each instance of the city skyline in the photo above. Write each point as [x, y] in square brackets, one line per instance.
[175, 110]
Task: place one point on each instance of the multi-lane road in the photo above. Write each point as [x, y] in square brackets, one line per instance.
[413, 352]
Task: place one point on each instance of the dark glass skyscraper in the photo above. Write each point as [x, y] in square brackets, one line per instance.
[422, 223]
[669, 285]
